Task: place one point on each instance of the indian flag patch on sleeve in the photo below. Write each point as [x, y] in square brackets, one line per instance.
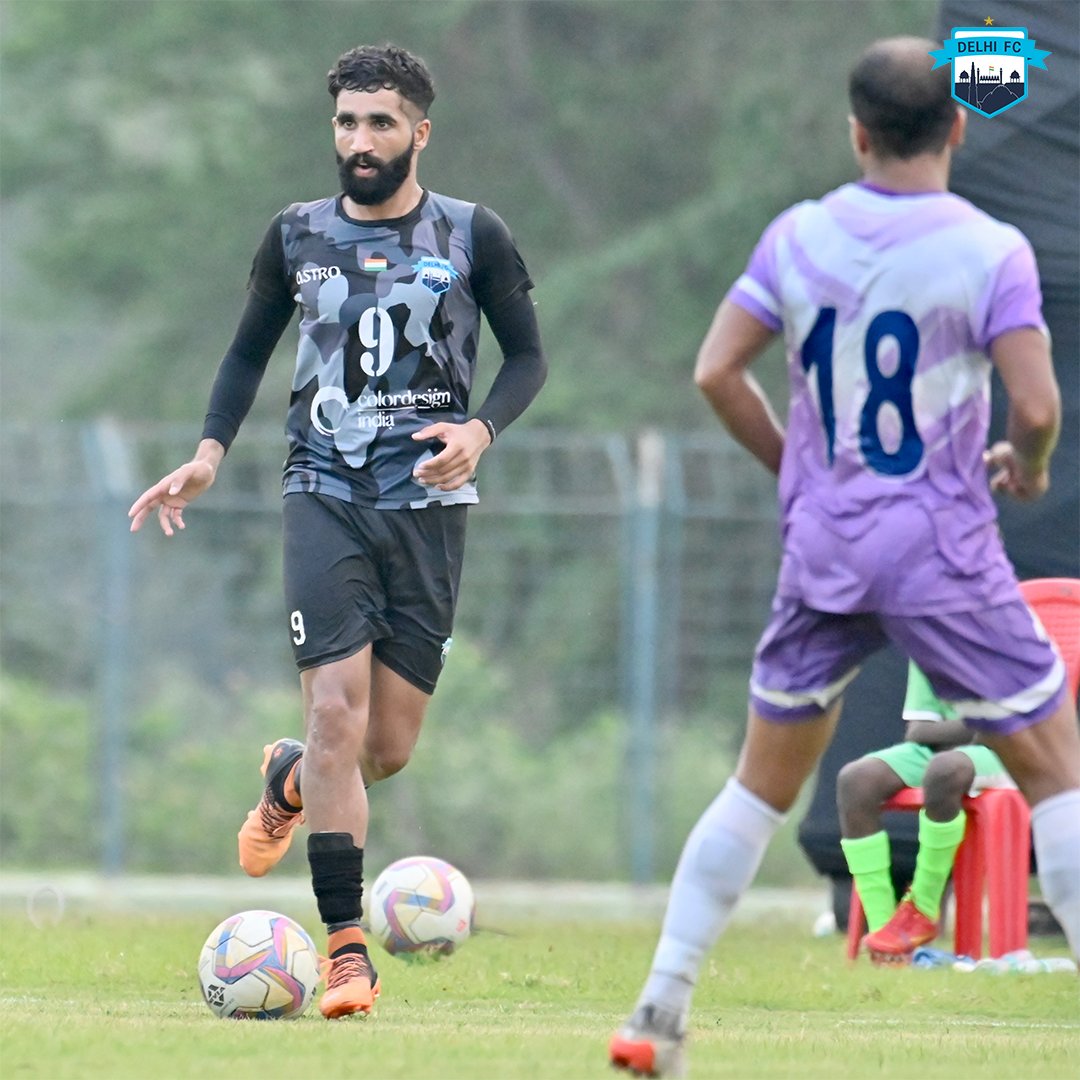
[374, 263]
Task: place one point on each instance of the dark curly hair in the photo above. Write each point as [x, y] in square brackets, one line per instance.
[906, 108]
[374, 67]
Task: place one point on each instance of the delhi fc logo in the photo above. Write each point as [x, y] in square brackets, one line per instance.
[436, 274]
[989, 66]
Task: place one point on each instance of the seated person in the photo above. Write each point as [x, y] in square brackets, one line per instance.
[937, 754]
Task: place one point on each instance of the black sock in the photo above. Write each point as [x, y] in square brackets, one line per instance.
[337, 874]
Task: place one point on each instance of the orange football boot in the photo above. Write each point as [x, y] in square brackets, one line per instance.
[352, 983]
[901, 935]
[268, 831]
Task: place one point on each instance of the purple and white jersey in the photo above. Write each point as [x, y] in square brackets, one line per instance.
[888, 305]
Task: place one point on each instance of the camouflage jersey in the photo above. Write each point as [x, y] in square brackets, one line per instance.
[390, 323]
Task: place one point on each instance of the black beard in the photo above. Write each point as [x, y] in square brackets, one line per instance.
[374, 190]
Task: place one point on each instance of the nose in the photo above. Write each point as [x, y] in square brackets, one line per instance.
[360, 141]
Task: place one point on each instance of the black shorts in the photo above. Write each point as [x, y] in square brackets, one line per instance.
[356, 576]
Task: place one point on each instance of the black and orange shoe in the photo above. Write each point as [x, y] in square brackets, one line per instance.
[352, 983]
[901, 935]
[650, 1043]
[268, 831]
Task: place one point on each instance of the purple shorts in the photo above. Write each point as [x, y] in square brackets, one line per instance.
[995, 667]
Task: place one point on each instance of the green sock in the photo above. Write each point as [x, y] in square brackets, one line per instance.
[870, 862]
[938, 841]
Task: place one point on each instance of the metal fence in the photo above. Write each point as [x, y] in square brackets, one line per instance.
[604, 573]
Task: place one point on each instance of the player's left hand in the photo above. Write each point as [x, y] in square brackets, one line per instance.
[455, 464]
[1010, 474]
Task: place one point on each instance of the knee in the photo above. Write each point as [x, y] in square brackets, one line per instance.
[948, 777]
[383, 762]
[856, 788]
[334, 727]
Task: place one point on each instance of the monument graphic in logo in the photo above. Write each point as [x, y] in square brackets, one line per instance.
[989, 66]
[436, 274]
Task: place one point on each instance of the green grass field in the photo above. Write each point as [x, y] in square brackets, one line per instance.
[117, 997]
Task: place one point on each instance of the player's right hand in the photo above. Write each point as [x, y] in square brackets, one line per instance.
[1013, 476]
[171, 494]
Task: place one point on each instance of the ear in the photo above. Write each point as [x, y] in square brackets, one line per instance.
[959, 128]
[421, 134]
[860, 140]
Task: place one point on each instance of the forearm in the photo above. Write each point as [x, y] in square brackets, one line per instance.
[516, 385]
[739, 401]
[735, 339]
[1033, 421]
[1033, 437]
[240, 373]
[524, 367]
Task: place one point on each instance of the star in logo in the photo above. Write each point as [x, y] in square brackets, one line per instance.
[988, 21]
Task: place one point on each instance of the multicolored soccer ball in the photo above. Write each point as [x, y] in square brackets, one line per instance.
[258, 965]
[421, 906]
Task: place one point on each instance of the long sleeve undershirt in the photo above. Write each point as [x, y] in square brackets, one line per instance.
[262, 323]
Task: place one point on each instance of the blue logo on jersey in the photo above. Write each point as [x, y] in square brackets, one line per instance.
[436, 274]
[989, 66]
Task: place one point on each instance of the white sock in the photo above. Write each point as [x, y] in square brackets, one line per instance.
[1055, 827]
[719, 860]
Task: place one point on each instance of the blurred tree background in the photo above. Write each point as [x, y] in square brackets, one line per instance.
[636, 148]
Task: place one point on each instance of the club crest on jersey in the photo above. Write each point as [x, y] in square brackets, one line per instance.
[436, 274]
[989, 65]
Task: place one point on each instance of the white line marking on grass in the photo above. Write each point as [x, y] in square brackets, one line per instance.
[1044, 1025]
[83, 1007]
[564, 900]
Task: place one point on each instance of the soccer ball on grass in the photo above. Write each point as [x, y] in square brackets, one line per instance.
[258, 965]
[421, 906]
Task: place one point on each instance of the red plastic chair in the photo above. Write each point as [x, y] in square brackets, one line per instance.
[995, 852]
[1057, 603]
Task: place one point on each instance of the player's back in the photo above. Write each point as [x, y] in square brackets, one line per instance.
[889, 304]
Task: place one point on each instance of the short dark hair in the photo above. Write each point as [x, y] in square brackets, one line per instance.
[374, 67]
[906, 107]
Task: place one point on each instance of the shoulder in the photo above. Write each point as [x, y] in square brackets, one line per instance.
[483, 222]
[979, 222]
[997, 238]
[313, 215]
[792, 220]
[314, 206]
[981, 245]
[489, 229]
[827, 205]
[460, 212]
